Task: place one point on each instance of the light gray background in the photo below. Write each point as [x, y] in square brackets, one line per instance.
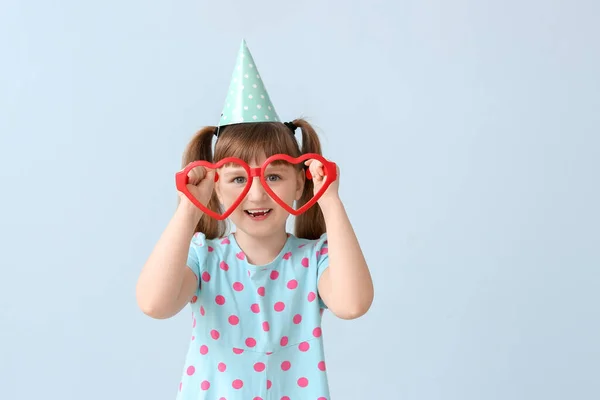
[467, 137]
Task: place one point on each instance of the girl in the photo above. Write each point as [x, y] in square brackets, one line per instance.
[257, 294]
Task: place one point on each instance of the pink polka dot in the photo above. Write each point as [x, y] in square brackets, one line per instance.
[259, 367]
[305, 262]
[202, 311]
[193, 338]
[304, 346]
[287, 255]
[312, 296]
[324, 250]
[274, 275]
[317, 332]
[265, 326]
[210, 249]
[205, 385]
[222, 398]
[238, 351]
[180, 386]
[293, 284]
[205, 276]
[261, 291]
[240, 255]
[215, 334]
[269, 353]
[237, 384]
[234, 320]
[204, 349]
[250, 342]
[279, 306]
[191, 370]
[220, 300]
[255, 308]
[257, 398]
[303, 382]
[297, 318]
[321, 366]
[222, 367]
[269, 384]
[194, 323]
[238, 286]
[194, 299]
[225, 241]
[322, 398]
[284, 341]
[223, 265]
[286, 365]
[285, 398]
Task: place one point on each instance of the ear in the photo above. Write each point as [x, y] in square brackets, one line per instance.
[300, 182]
[217, 189]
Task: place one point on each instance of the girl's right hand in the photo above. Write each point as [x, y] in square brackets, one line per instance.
[201, 183]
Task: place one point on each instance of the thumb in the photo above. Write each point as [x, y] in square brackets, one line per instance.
[210, 175]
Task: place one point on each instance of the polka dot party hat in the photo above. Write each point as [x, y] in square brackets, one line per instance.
[247, 99]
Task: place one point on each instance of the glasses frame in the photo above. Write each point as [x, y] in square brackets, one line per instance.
[182, 180]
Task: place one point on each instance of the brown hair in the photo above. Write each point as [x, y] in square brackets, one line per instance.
[247, 141]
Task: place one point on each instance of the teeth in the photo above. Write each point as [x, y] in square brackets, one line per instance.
[263, 211]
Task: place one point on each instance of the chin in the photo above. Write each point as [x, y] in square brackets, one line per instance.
[261, 226]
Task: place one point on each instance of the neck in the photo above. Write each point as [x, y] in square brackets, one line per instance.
[261, 250]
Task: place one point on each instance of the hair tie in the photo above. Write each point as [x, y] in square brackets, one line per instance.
[291, 126]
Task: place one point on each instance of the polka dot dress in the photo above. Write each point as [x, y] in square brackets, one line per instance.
[256, 330]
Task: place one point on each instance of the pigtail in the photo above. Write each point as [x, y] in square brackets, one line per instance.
[200, 148]
[310, 224]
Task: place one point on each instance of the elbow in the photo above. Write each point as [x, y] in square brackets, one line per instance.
[150, 306]
[153, 311]
[354, 311]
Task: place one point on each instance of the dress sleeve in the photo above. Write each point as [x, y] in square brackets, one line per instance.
[322, 253]
[197, 254]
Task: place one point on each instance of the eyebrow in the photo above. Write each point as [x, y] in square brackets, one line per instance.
[277, 167]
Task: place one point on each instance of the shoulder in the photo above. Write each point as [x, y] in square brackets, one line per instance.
[200, 242]
[312, 248]
[202, 248]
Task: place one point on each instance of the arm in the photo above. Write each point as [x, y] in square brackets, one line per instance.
[166, 284]
[345, 286]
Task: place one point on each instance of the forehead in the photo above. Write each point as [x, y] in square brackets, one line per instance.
[256, 163]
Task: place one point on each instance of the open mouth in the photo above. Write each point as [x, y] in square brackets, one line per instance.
[258, 213]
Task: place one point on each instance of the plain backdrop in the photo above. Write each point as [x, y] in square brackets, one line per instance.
[467, 134]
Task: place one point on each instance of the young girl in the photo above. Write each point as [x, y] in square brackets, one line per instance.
[257, 294]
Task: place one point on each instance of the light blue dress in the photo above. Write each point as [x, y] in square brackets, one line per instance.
[256, 330]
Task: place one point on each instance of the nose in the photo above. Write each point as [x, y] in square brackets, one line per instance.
[257, 192]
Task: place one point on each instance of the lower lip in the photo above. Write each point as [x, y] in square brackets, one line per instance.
[259, 218]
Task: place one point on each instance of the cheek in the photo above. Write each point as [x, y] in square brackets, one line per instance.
[229, 194]
[286, 192]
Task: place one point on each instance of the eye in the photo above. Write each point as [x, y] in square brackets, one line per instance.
[239, 180]
[273, 178]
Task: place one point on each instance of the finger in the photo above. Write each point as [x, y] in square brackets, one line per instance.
[318, 168]
[210, 175]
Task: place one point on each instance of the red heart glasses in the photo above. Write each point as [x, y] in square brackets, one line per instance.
[330, 169]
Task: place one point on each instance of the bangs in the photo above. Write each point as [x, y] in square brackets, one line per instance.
[251, 142]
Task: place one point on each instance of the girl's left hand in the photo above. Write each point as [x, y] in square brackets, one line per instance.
[317, 170]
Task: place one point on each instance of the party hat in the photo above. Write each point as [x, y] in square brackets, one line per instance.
[247, 99]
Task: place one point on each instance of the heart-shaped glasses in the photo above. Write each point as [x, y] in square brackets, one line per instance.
[239, 170]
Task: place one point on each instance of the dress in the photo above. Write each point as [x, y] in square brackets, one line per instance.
[256, 330]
